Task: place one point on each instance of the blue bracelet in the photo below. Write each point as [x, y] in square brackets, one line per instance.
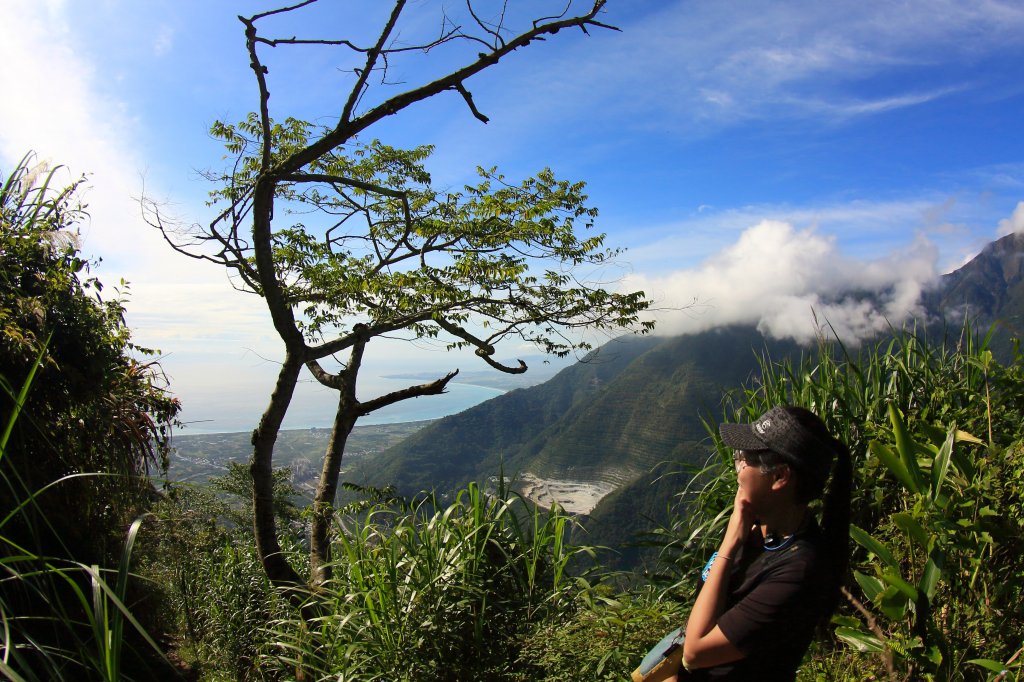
[707, 567]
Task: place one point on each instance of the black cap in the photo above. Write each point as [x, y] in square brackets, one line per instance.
[779, 431]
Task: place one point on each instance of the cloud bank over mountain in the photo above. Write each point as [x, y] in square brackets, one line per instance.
[1013, 224]
[793, 283]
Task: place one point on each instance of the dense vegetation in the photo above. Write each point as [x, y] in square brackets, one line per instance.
[84, 420]
[936, 429]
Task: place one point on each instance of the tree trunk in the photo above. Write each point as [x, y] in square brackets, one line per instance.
[276, 565]
[326, 491]
[349, 411]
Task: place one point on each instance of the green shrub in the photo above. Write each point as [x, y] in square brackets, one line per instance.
[83, 421]
[605, 639]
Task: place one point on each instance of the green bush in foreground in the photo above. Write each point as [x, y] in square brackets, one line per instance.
[432, 593]
[605, 639]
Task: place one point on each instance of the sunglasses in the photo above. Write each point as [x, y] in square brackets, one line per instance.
[765, 460]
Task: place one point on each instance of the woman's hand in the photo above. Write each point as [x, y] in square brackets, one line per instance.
[740, 524]
[705, 644]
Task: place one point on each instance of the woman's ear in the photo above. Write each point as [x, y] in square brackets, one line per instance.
[783, 476]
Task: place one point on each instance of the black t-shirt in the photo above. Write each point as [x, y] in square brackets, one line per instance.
[775, 601]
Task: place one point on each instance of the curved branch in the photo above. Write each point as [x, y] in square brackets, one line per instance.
[466, 95]
[348, 182]
[484, 350]
[322, 375]
[371, 59]
[261, 79]
[358, 184]
[433, 388]
[500, 367]
[495, 32]
[281, 10]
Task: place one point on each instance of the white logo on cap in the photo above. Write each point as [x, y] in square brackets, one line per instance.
[763, 426]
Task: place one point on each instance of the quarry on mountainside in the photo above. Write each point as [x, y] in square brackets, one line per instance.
[575, 497]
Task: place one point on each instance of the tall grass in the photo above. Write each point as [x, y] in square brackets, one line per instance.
[430, 592]
[61, 620]
[481, 587]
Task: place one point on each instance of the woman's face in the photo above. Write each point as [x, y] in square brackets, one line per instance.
[755, 474]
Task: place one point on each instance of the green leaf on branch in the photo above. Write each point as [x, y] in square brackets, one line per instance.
[893, 603]
[895, 580]
[907, 449]
[940, 465]
[988, 664]
[917, 534]
[893, 463]
[871, 586]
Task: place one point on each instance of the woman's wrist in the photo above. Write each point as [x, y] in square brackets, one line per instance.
[730, 547]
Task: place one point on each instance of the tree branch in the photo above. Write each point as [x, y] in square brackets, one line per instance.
[484, 350]
[469, 102]
[348, 182]
[346, 128]
[371, 59]
[886, 654]
[261, 80]
[433, 388]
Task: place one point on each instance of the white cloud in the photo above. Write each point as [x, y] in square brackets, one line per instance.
[1013, 224]
[790, 283]
[868, 228]
[849, 108]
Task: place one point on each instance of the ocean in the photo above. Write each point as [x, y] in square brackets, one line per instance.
[314, 406]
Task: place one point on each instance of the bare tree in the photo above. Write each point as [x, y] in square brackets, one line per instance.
[389, 253]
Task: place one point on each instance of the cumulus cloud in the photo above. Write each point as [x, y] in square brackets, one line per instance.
[1013, 224]
[792, 283]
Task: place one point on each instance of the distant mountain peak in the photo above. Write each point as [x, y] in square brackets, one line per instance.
[989, 288]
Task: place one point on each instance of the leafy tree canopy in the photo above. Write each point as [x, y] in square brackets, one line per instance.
[379, 245]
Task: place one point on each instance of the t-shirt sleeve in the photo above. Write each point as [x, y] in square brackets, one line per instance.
[778, 608]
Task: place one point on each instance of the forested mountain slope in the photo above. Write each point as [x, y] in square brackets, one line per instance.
[632, 404]
[989, 289]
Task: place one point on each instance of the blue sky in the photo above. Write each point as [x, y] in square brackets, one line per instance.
[753, 156]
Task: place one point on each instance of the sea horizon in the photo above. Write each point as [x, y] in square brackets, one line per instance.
[313, 407]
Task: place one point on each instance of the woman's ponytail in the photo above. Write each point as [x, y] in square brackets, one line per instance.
[835, 520]
[835, 494]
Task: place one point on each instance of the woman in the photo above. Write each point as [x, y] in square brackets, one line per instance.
[777, 573]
